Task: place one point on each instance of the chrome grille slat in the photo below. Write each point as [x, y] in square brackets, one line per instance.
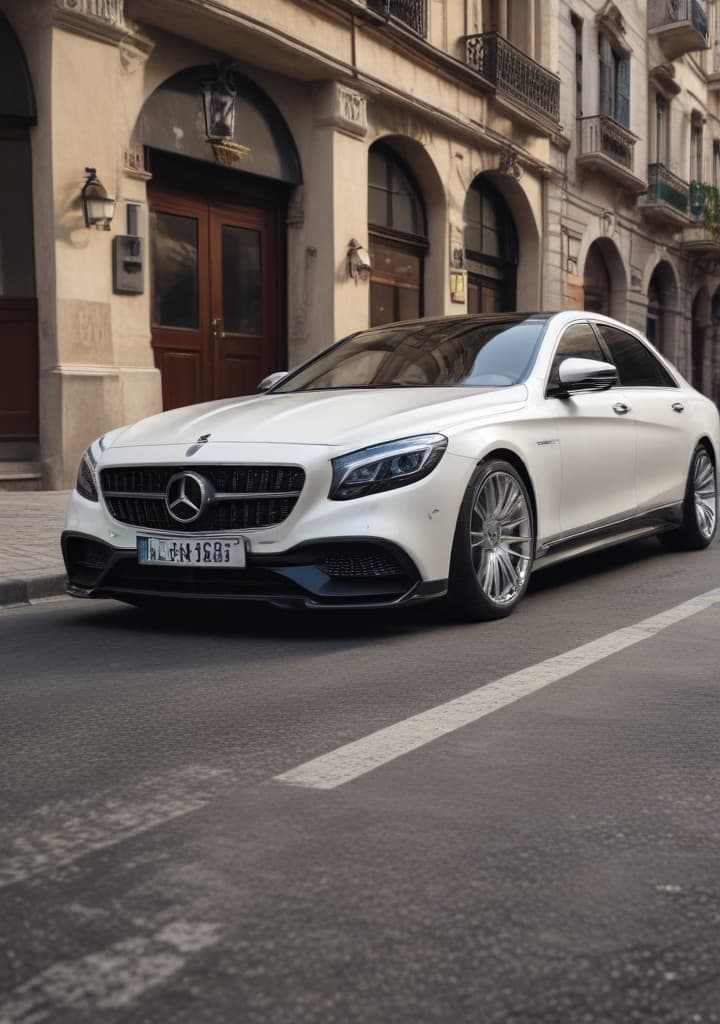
[244, 497]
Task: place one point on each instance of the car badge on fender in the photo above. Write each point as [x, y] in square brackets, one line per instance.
[186, 497]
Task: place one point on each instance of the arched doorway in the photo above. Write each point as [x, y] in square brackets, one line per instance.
[223, 166]
[598, 289]
[491, 250]
[397, 230]
[18, 304]
[605, 280]
[701, 333]
[662, 309]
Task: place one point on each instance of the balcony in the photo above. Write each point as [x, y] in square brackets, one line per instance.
[525, 87]
[412, 13]
[607, 146]
[668, 197]
[702, 236]
[681, 26]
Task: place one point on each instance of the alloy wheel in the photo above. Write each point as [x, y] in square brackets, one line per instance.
[501, 537]
[705, 494]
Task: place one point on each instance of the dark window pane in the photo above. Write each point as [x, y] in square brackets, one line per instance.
[17, 266]
[636, 365]
[393, 202]
[578, 342]
[174, 251]
[241, 280]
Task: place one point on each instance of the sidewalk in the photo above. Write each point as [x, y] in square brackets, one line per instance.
[31, 564]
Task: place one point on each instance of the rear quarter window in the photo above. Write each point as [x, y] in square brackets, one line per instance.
[636, 365]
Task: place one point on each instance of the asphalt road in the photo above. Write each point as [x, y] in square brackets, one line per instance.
[553, 861]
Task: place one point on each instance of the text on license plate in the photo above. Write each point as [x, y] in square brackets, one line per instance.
[219, 552]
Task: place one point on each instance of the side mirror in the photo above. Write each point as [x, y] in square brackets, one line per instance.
[269, 382]
[584, 375]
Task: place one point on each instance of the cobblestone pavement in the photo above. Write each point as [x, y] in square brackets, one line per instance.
[30, 527]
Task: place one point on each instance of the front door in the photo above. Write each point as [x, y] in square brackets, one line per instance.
[216, 297]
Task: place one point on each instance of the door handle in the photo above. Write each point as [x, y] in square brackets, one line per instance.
[215, 325]
[621, 408]
[678, 406]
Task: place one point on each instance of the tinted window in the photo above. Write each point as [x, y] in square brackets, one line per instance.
[448, 353]
[636, 365]
[578, 342]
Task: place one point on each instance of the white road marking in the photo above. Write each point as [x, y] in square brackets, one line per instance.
[379, 748]
[110, 979]
[60, 833]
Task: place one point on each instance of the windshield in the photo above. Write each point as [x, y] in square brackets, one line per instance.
[460, 352]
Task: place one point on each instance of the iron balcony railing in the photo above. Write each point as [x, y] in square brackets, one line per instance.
[670, 12]
[705, 204]
[411, 13]
[513, 73]
[665, 187]
[605, 136]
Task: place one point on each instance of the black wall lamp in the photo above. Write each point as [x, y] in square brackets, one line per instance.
[98, 206]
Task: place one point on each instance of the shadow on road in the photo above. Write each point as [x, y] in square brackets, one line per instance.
[262, 621]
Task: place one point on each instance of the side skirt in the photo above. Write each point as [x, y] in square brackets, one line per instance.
[646, 524]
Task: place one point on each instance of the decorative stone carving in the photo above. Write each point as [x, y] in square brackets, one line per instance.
[135, 48]
[509, 164]
[98, 19]
[343, 108]
[611, 21]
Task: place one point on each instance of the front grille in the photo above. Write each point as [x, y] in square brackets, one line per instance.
[266, 495]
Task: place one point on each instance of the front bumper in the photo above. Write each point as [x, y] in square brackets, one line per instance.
[353, 572]
[385, 549]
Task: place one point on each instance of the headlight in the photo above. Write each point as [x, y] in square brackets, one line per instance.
[86, 483]
[385, 466]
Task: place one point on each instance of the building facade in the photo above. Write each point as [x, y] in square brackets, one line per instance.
[274, 175]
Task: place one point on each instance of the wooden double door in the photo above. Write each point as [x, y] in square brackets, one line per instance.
[217, 296]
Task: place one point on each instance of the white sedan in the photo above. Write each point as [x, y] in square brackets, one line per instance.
[442, 458]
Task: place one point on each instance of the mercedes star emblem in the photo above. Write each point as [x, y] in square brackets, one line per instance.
[186, 497]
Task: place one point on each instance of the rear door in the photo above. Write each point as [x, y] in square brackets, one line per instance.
[664, 444]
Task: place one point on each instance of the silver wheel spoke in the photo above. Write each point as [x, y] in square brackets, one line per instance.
[705, 494]
[500, 541]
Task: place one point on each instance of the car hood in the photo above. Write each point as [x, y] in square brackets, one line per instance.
[331, 418]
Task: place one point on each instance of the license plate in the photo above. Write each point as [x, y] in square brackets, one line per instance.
[211, 552]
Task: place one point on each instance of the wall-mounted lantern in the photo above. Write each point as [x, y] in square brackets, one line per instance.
[219, 99]
[358, 261]
[219, 107]
[98, 205]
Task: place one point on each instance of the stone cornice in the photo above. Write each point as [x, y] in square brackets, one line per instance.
[97, 19]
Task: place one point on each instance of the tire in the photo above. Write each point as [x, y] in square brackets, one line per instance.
[700, 506]
[494, 544]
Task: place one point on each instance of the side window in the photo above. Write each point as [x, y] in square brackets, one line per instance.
[578, 342]
[636, 365]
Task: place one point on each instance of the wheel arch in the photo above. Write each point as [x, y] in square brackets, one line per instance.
[706, 442]
[508, 455]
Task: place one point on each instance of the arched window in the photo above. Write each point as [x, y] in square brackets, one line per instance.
[398, 239]
[491, 250]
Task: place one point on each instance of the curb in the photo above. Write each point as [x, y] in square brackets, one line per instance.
[26, 591]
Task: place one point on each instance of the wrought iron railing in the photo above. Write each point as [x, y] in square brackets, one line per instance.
[412, 13]
[669, 12]
[705, 206]
[514, 73]
[665, 187]
[604, 135]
